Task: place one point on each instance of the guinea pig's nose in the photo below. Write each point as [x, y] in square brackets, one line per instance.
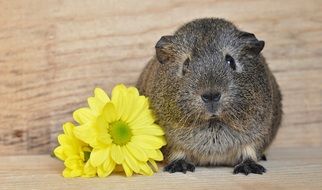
[211, 97]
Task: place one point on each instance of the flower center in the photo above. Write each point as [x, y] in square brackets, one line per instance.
[120, 132]
[87, 153]
[86, 156]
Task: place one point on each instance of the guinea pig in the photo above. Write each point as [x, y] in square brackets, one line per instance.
[214, 95]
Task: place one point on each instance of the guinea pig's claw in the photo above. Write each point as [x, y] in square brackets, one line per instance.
[263, 157]
[249, 166]
[179, 166]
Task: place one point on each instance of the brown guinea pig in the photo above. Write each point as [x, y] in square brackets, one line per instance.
[214, 95]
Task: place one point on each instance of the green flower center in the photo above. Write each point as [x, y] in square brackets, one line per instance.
[120, 132]
[86, 156]
[87, 152]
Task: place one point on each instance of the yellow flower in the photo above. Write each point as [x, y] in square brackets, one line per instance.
[121, 131]
[75, 153]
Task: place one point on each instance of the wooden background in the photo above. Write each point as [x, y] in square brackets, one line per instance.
[53, 53]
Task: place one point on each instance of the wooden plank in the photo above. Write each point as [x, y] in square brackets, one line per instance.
[53, 53]
[287, 169]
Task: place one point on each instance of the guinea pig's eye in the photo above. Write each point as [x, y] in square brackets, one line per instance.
[230, 60]
[185, 66]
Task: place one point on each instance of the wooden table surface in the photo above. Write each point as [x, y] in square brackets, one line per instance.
[53, 53]
[287, 169]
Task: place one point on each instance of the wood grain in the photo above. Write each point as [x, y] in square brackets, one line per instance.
[53, 53]
[287, 169]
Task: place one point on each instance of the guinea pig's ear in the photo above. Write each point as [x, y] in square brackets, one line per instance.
[252, 44]
[165, 49]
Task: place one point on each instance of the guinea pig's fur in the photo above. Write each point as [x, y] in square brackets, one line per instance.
[214, 95]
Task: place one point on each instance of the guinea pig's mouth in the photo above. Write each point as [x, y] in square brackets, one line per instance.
[210, 116]
[214, 122]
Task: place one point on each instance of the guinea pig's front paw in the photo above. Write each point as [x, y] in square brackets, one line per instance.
[179, 166]
[249, 166]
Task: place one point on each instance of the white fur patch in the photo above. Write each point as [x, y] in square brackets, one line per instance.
[176, 155]
[248, 152]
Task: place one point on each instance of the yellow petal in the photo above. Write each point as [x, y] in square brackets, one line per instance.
[159, 155]
[96, 105]
[133, 91]
[102, 131]
[64, 139]
[86, 133]
[154, 165]
[89, 170]
[107, 161]
[117, 154]
[83, 115]
[145, 118]
[137, 152]
[109, 166]
[101, 172]
[67, 173]
[117, 90]
[119, 99]
[153, 129]
[132, 104]
[154, 154]
[73, 162]
[109, 113]
[98, 156]
[148, 142]
[59, 153]
[145, 169]
[76, 173]
[136, 106]
[127, 170]
[104, 139]
[130, 160]
[127, 103]
[68, 128]
[101, 95]
[69, 151]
